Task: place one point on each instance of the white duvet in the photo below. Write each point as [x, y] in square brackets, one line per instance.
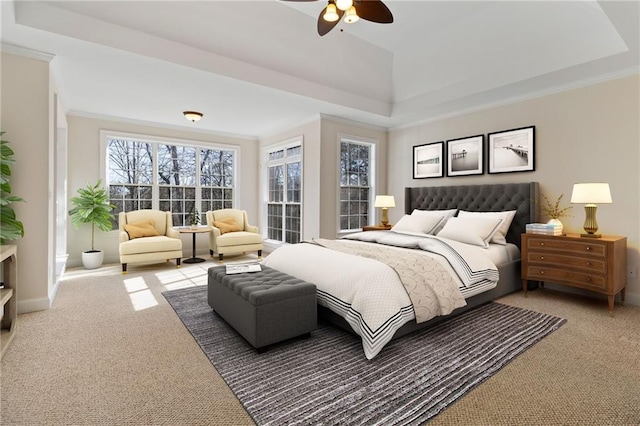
[366, 292]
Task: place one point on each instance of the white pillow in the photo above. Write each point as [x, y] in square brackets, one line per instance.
[446, 213]
[419, 225]
[471, 230]
[507, 217]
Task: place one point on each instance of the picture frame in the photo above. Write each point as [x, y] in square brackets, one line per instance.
[511, 150]
[428, 160]
[465, 156]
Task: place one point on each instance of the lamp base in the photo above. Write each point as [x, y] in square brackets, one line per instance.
[385, 217]
[591, 235]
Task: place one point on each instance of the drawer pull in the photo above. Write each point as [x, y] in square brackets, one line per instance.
[541, 257]
[588, 279]
[541, 244]
[588, 263]
[541, 272]
[588, 248]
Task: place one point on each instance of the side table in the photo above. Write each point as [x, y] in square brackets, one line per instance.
[193, 232]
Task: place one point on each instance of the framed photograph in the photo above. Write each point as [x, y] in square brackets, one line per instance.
[465, 156]
[428, 160]
[512, 150]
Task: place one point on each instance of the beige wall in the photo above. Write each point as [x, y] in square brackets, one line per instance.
[590, 134]
[26, 118]
[84, 166]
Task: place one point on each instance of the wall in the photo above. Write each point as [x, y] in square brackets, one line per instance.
[84, 167]
[26, 119]
[590, 134]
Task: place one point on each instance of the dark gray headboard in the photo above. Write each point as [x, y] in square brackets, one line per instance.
[522, 197]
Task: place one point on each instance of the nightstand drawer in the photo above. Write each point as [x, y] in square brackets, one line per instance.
[593, 264]
[578, 247]
[575, 279]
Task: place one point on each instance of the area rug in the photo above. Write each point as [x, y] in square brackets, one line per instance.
[326, 379]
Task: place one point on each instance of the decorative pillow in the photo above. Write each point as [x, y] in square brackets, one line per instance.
[446, 213]
[507, 217]
[419, 225]
[141, 229]
[471, 230]
[227, 225]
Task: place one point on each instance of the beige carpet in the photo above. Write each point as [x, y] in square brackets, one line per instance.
[112, 351]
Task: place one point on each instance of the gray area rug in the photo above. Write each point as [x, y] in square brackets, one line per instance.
[326, 379]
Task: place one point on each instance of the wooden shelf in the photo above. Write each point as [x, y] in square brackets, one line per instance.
[8, 304]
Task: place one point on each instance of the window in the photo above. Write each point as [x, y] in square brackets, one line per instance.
[284, 192]
[180, 178]
[356, 180]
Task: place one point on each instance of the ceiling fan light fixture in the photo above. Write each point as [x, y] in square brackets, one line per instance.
[344, 4]
[193, 116]
[351, 16]
[330, 14]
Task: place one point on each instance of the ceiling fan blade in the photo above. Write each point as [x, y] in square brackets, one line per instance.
[323, 26]
[374, 11]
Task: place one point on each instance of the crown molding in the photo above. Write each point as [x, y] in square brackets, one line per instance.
[26, 52]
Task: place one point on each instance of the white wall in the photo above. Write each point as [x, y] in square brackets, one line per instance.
[26, 118]
[590, 134]
[84, 167]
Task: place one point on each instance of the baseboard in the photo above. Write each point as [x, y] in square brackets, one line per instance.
[33, 305]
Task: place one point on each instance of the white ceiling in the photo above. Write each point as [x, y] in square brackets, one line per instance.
[257, 67]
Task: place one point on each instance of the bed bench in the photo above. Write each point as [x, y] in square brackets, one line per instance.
[265, 307]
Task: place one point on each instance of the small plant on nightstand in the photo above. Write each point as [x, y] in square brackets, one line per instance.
[554, 211]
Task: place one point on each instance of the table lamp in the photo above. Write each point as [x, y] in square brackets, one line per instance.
[385, 201]
[590, 194]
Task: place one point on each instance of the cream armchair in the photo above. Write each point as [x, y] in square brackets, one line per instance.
[154, 240]
[229, 239]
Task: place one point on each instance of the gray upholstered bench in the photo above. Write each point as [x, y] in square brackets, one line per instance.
[265, 307]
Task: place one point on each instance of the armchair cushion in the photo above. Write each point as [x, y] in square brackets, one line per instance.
[141, 229]
[227, 225]
[156, 244]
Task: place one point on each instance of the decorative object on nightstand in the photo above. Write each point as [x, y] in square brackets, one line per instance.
[554, 211]
[591, 194]
[385, 201]
[598, 265]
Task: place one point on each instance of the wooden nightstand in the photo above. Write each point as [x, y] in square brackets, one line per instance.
[596, 264]
[376, 228]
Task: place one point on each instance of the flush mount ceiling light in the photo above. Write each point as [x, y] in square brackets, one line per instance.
[352, 10]
[193, 116]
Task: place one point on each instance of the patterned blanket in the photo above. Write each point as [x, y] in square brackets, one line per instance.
[368, 293]
[429, 284]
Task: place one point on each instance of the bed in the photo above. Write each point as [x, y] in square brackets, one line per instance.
[307, 262]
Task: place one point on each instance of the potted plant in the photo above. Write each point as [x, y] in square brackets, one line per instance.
[91, 205]
[195, 219]
[554, 211]
[10, 227]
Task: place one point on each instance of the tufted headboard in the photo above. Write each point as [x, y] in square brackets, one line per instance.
[522, 197]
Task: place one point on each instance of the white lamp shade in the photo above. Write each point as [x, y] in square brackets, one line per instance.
[591, 193]
[351, 16]
[385, 201]
[344, 4]
[331, 15]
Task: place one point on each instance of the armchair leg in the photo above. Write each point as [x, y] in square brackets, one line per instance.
[124, 268]
[178, 260]
[259, 253]
[220, 256]
[211, 252]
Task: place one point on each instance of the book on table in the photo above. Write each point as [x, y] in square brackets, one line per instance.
[543, 228]
[241, 268]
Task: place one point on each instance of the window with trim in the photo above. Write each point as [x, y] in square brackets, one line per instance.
[356, 184]
[175, 177]
[284, 192]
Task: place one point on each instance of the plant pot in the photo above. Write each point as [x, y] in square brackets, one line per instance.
[556, 222]
[92, 259]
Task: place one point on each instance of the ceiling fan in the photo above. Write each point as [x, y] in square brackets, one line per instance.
[352, 10]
